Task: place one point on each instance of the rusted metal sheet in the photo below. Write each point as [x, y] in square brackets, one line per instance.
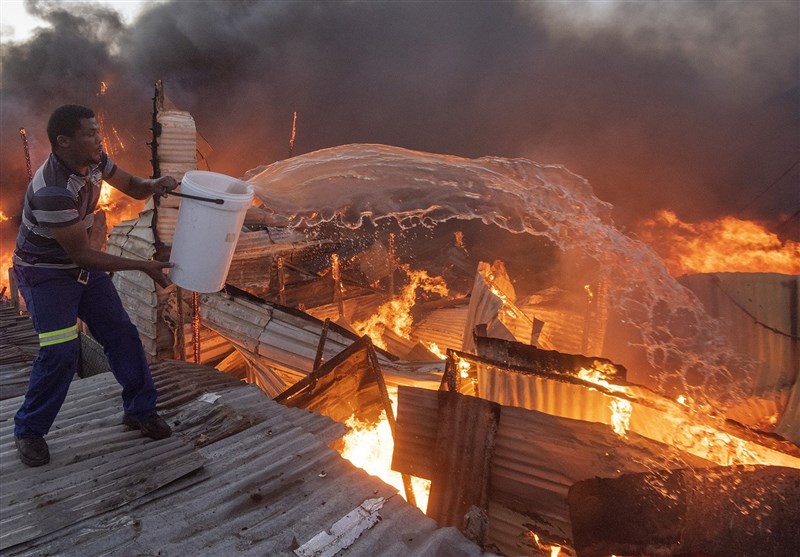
[535, 459]
[651, 415]
[464, 442]
[735, 511]
[415, 435]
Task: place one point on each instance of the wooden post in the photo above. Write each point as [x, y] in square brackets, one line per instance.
[337, 283]
[320, 348]
[281, 281]
[392, 264]
[387, 405]
[27, 151]
[294, 133]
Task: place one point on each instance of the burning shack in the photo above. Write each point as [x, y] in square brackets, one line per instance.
[513, 363]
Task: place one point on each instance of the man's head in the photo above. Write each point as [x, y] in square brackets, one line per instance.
[74, 134]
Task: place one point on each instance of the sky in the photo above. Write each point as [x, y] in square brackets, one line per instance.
[17, 24]
[690, 106]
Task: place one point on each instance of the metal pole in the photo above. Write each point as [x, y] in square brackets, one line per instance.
[181, 333]
[196, 326]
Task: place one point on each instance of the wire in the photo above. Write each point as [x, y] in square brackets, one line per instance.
[788, 219]
[778, 179]
[716, 282]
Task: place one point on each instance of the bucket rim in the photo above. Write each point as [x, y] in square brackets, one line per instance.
[192, 176]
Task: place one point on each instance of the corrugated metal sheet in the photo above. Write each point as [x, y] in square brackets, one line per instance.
[268, 481]
[652, 415]
[759, 313]
[287, 341]
[280, 343]
[755, 310]
[444, 327]
[19, 345]
[535, 459]
[789, 423]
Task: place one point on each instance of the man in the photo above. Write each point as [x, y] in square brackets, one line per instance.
[63, 279]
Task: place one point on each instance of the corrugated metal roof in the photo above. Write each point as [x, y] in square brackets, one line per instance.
[242, 475]
[19, 345]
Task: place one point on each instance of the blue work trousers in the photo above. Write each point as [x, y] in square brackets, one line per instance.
[55, 300]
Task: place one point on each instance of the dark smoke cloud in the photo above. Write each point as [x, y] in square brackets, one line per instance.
[691, 106]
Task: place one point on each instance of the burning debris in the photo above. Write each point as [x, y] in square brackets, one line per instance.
[482, 307]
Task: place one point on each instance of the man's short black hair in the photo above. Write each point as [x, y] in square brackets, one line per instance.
[66, 120]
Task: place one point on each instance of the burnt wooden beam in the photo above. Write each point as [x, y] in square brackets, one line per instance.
[733, 511]
[529, 357]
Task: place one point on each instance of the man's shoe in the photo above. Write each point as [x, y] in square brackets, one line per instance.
[32, 451]
[152, 426]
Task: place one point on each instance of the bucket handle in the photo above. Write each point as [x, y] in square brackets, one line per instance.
[196, 197]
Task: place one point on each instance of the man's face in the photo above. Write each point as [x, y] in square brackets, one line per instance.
[86, 145]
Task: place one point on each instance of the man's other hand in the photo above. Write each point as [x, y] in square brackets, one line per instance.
[155, 270]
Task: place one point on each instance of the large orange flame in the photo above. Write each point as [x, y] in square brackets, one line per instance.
[370, 447]
[395, 314]
[723, 245]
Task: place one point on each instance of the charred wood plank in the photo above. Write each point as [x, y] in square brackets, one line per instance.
[538, 360]
[735, 511]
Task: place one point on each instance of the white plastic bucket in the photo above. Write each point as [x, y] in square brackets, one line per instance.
[206, 233]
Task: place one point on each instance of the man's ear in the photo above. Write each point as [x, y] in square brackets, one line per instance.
[63, 141]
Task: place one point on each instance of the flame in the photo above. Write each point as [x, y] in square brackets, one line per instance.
[395, 314]
[463, 367]
[554, 549]
[370, 448]
[621, 416]
[621, 409]
[116, 205]
[458, 238]
[435, 350]
[724, 245]
[5, 259]
[5, 264]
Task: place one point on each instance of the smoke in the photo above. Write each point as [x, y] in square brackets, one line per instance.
[686, 106]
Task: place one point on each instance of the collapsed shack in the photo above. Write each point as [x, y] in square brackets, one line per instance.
[530, 400]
